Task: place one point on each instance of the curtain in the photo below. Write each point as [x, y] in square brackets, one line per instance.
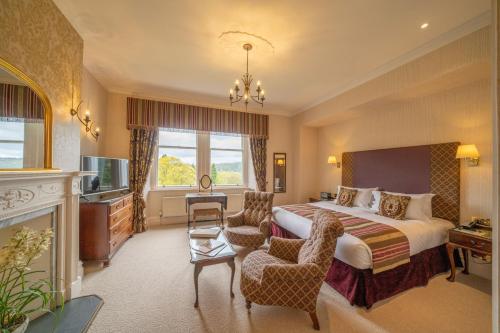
[143, 142]
[20, 102]
[259, 152]
[143, 113]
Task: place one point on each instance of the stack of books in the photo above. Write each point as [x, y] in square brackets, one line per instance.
[207, 247]
[204, 233]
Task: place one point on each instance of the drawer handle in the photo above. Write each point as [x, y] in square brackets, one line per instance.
[476, 244]
[114, 243]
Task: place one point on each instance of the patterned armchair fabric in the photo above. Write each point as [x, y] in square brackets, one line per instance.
[291, 272]
[251, 226]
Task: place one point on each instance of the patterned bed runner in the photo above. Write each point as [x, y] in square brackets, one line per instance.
[389, 246]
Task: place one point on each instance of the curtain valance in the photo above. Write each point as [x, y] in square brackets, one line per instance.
[143, 113]
[20, 102]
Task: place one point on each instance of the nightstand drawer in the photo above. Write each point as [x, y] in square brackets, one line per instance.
[470, 241]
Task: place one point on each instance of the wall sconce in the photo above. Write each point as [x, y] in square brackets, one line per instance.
[469, 153]
[280, 162]
[333, 160]
[85, 121]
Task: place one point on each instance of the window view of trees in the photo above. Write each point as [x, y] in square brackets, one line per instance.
[226, 156]
[177, 159]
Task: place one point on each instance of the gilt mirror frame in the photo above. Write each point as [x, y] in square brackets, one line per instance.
[47, 122]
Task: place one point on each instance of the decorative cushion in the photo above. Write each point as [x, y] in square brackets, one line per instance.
[363, 197]
[419, 208]
[393, 206]
[245, 235]
[346, 197]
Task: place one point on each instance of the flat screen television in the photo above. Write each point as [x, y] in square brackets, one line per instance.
[107, 174]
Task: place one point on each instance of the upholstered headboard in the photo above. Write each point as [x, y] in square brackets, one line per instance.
[418, 169]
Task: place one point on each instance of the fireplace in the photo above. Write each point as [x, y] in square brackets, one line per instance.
[40, 200]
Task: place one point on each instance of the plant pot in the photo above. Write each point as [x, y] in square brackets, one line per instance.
[22, 327]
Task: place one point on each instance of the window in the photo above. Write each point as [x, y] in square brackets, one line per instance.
[176, 159]
[226, 159]
[11, 144]
[184, 157]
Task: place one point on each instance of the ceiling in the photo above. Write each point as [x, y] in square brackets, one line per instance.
[172, 49]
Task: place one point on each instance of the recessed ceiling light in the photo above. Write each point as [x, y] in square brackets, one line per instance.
[424, 25]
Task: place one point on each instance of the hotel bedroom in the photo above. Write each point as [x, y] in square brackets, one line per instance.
[183, 166]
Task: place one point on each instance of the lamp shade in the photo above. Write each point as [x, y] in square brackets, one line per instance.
[332, 159]
[467, 151]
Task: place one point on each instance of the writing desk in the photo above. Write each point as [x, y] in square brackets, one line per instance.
[204, 197]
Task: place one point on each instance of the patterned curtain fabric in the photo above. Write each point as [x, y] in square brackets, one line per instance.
[142, 113]
[20, 102]
[143, 144]
[259, 152]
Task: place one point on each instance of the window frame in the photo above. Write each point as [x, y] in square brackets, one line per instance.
[203, 163]
[156, 160]
[244, 164]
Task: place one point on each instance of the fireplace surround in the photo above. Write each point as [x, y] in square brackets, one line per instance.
[25, 196]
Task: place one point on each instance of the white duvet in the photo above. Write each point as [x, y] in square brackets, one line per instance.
[422, 235]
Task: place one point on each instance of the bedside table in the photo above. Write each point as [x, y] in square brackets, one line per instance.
[311, 199]
[475, 240]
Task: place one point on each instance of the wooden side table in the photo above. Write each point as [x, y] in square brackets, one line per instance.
[475, 240]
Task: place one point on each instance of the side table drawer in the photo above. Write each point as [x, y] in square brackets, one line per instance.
[470, 241]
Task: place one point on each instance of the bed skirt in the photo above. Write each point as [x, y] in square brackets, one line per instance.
[363, 288]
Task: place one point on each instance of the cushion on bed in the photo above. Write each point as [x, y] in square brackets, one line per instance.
[346, 197]
[419, 208]
[363, 196]
[393, 206]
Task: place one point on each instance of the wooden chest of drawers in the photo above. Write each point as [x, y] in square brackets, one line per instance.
[104, 227]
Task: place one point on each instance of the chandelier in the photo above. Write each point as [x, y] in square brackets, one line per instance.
[234, 94]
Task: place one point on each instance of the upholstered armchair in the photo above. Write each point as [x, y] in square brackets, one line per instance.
[291, 272]
[251, 226]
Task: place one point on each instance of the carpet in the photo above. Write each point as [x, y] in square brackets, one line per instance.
[149, 288]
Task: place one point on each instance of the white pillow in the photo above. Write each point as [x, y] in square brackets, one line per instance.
[419, 207]
[363, 196]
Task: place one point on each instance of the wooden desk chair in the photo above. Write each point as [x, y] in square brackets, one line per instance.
[204, 212]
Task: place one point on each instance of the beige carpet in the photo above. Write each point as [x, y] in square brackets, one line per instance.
[149, 288]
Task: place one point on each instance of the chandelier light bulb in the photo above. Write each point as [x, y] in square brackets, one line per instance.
[237, 82]
[230, 91]
[246, 96]
[258, 83]
[262, 92]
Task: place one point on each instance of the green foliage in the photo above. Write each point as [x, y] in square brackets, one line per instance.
[21, 293]
[213, 173]
[229, 178]
[172, 171]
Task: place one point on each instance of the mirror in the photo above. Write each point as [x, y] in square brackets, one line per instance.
[279, 173]
[25, 122]
[205, 183]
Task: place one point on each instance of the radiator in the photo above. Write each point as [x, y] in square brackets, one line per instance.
[173, 206]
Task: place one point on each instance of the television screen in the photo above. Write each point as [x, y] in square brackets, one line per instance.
[108, 174]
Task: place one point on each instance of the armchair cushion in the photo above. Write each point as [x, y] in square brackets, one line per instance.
[287, 249]
[245, 235]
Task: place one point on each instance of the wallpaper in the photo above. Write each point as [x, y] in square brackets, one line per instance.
[36, 38]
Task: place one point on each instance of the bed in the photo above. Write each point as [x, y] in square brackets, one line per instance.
[418, 169]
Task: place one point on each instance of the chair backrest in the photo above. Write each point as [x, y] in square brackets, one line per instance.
[319, 248]
[257, 206]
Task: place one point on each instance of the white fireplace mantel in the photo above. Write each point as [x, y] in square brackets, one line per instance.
[26, 192]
